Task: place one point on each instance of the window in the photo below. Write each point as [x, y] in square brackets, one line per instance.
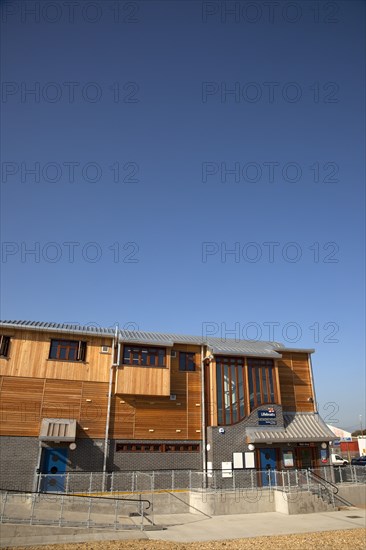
[157, 448]
[187, 361]
[230, 389]
[68, 350]
[4, 346]
[144, 356]
[261, 382]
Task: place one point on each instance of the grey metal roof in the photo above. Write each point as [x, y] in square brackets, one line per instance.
[59, 327]
[299, 427]
[218, 346]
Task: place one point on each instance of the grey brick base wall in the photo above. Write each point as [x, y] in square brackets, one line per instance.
[18, 462]
[154, 460]
[223, 445]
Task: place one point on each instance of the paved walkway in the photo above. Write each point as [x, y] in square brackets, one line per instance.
[192, 528]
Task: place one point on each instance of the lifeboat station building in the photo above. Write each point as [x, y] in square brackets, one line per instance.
[85, 399]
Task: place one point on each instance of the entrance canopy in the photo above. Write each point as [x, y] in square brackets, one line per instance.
[58, 430]
[298, 428]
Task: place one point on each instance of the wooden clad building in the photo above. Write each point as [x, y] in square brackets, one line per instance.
[94, 399]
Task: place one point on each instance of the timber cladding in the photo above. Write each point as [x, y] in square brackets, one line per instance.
[25, 401]
[158, 417]
[295, 382]
[29, 357]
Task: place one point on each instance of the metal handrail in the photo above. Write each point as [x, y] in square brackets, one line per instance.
[139, 500]
[324, 481]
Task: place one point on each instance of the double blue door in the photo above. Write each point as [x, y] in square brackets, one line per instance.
[54, 470]
[268, 465]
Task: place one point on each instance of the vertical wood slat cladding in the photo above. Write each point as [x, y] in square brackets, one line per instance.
[135, 380]
[139, 414]
[295, 382]
[29, 352]
[25, 401]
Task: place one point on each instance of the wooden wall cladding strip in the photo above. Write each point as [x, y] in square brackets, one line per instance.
[29, 357]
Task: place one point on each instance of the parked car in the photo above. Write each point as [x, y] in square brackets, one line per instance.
[360, 461]
[338, 460]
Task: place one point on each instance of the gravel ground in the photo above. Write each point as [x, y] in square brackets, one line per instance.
[350, 539]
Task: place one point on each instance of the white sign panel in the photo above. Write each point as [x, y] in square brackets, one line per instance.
[209, 469]
[238, 460]
[249, 460]
[227, 469]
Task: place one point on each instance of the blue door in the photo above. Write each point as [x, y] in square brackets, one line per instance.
[53, 471]
[267, 465]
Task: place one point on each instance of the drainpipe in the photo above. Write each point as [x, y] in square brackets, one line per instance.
[37, 477]
[106, 438]
[203, 417]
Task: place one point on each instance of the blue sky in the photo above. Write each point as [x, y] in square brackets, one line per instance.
[163, 135]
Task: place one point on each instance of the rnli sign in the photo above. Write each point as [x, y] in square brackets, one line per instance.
[267, 413]
[267, 417]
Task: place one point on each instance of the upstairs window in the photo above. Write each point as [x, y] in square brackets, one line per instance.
[230, 376]
[4, 346]
[262, 387]
[187, 361]
[68, 350]
[144, 356]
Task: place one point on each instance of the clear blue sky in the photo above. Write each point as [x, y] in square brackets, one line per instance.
[165, 134]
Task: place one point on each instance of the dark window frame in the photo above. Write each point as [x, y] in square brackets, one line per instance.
[262, 380]
[230, 410]
[149, 447]
[4, 345]
[74, 350]
[184, 361]
[149, 351]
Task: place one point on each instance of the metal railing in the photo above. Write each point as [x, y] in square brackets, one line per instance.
[92, 483]
[67, 509]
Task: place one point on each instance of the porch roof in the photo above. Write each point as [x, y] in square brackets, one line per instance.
[298, 428]
[58, 429]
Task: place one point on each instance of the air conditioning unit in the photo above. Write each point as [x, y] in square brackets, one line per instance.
[173, 354]
[105, 349]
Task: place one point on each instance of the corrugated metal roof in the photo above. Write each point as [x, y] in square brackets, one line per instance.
[59, 327]
[299, 427]
[218, 346]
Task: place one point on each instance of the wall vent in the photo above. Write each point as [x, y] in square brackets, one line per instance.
[105, 349]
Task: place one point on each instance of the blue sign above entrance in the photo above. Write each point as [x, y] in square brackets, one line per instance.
[267, 417]
[266, 413]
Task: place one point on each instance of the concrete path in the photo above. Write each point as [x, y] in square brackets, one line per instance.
[193, 528]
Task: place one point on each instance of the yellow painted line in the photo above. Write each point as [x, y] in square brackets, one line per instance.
[109, 494]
